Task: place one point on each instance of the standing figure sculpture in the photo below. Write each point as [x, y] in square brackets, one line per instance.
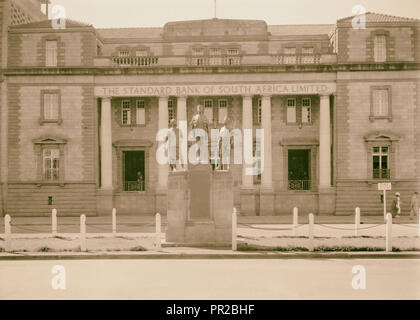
[199, 121]
[171, 144]
[224, 147]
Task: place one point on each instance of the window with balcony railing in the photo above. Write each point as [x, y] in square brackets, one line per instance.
[291, 57]
[142, 58]
[214, 57]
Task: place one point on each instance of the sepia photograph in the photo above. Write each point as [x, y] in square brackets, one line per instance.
[209, 155]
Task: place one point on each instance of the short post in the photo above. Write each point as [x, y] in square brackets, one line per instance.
[114, 221]
[234, 230]
[158, 243]
[311, 232]
[388, 236]
[54, 222]
[83, 233]
[384, 204]
[357, 222]
[8, 233]
[295, 221]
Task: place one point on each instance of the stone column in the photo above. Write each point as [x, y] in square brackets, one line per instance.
[105, 194]
[182, 116]
[266, 177]
[324, 143]
[267, 194]
[106, 145]
[326, 193]
[247, 189]
[163, 124]
[247, 180]
[162, 183]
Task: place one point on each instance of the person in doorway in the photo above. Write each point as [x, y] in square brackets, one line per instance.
[414, 211]
[140, 181]
[396, 206]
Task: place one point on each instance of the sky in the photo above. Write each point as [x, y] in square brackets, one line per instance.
[155, 13]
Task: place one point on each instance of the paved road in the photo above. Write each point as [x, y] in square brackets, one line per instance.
[211, 279]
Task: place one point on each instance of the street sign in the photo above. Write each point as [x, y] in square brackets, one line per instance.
[384, 186]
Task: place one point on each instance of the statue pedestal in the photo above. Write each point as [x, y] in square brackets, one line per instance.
[200, 205]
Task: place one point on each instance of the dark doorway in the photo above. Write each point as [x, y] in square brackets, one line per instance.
[134, 173]
[299, 170]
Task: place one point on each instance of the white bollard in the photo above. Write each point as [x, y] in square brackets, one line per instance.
[158, 243]
[234, 230]
[311, 232]
[114, 221]
[356, 222]
[83, 233]
[8, 233]
[388, 235]
[54, 222]
[295, 221]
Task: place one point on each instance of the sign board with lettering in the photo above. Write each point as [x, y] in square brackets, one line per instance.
[215, 89]
[384, 186]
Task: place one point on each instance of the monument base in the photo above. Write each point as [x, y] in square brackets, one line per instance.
[200, 206]
[267, 202]
[248, 202]
[326, 201]
[104, 202]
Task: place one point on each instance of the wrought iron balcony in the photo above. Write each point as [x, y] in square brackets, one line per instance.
[381, 174]
[133, 186]
[300, 184]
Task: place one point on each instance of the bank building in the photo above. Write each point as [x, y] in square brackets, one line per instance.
[81, 107]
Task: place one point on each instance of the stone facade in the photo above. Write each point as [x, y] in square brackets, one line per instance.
[114, 87]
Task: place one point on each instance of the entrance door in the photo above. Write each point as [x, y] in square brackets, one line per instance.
[299, 170]
[134, 173]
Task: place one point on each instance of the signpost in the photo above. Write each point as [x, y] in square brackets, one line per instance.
[384, 186]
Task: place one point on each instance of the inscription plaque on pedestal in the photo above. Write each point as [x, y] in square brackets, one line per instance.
[199, 183]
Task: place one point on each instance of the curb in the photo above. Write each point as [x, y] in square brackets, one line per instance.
[208, 256]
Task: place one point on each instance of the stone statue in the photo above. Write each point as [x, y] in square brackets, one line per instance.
[171, 144]
[224, 145]
[199, 121]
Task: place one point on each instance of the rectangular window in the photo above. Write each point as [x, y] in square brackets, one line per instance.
[380, 163]
[291, 110]
[208, 110]
[51, 107]
[289, 56]
[171, 110]
[215, 51]
[140, 112]
[306, 110]
[223, 112]
[126, 112]
[308, 56]
[380, 48]
[259, 116]
[308, 50]
[51, 164]
[51, 53]
[299, 169]
[380, 103]
[232, 52]
[134, 171]
[197, 51]
[124, 53]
